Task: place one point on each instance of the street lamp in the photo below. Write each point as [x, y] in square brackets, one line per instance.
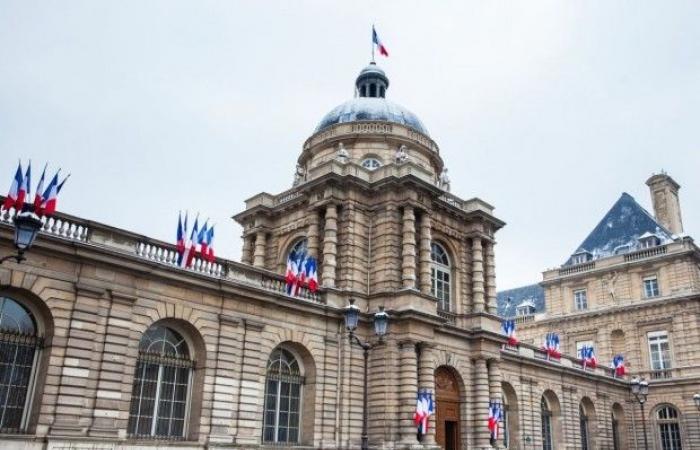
[640, 390]
[27, 226]
[381, 323]
[696, 399]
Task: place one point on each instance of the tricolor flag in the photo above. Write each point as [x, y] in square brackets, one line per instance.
[551, 345]
[588, 357]
[48, 206]
[380, 46]
[181, 231]
[424, 409]
[292, 272]
[210, 246]
[39, 197]
[202, 239]
[495, 416]
[24, 188]
[618, 365]
[302, 258]
[12, 194]
[191, 246]
[508, 327]
[419, 413]
[312, 274]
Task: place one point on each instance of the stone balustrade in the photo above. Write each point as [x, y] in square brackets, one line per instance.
[63, 226]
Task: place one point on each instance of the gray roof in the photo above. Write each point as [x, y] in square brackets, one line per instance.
[371, 108]
[508, 301]
[620, 230]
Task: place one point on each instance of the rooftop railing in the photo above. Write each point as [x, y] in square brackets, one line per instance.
[63, 226]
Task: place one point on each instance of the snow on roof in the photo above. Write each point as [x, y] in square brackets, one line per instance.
[508, 301]
[621, 227]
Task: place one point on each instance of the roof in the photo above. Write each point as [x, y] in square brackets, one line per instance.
[509, 300]
[374, 109]
[620, 230]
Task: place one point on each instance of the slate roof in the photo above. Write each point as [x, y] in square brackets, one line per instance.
[620, 229]
[533, 293]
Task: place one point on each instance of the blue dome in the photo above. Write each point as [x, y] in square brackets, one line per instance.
[371, 108]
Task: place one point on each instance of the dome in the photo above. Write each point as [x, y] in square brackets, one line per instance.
[371, 108]
[370, 104]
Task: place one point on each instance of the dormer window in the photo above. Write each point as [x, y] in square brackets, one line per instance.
[648, 240]
[371, 163]
[580, 257]
[526, 308]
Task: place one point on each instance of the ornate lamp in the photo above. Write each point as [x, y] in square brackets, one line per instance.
[352, 316]
[27, 226]
[381, 322]
[696, 399]
[640, 390]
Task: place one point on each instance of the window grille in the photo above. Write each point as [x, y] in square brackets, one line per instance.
[283, 393]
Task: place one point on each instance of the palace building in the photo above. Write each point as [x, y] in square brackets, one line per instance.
[107, 344]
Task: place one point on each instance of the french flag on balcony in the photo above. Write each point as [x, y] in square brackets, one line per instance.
[588, 357]
[39, 196]
[181, 231]
[202, 239]
[48, 206]
[13, 193]
[24, 188]
[292, 274]
[552, 345]
[311, 269]
[508, 327]
[618, 365]
[495, 416]
[210, 245]
[191, 246]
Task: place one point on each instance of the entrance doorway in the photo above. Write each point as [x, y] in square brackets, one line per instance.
[447, 399]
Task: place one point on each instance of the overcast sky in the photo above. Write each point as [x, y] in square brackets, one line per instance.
[548, 110]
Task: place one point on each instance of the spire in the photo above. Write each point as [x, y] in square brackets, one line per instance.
[372, 82]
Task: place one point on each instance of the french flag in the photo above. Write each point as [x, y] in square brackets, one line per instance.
[202, 239]
[39, 196]
[312, 274]
[551, 345]
[191, 246]
[13, 193]
[181, 237]
[210, 248]
[588, 357]
[508, 327]
[24, 188]
[48, 207]
[494, 418]
[618, 364]
[292, 273]
[301, 272]
[375, 39]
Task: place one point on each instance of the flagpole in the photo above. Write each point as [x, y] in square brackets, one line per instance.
[372, 43]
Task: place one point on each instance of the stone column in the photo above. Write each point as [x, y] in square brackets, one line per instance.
[251, 386]
[426, 380]
[312, 234]
[481, 404]
[330, 241]
[408, 248]
[425, 239]
[491, 279]
[477, 275]
[408, 388]
[260, 245]
[247, 250]
[225, 380]
[495, 387]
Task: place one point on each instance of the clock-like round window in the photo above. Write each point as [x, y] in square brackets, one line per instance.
[371, 163]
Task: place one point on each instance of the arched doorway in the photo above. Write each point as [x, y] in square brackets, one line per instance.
[447, 396]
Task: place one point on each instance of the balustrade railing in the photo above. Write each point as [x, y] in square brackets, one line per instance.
[448, 316]
[59, 226]
[646, 253]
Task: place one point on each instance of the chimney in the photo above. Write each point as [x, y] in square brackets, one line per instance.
[664, 197]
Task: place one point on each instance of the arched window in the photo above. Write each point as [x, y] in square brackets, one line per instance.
[440, 276]
[283, 385]
[618, 427]
[19, 346]
[300, 246]
[546, 416]
[583, 425]
[160, 393]
[372, 90]
[371, 163]
[669, 428]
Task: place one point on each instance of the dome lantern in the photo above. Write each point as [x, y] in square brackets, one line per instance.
[372, 82]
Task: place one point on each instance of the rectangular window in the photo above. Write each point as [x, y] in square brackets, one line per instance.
[580, 300]
[659, 350]
[441, 288]
[651, 287]
[580, 345]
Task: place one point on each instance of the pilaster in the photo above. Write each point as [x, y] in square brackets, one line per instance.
[408, 376]
[247, 250]
[330, 244]
[408, 248]
[425, 238]
[491, 305]
[260, 246]
[426, 381]
[312, 235]
[481, 405]
[478, 275]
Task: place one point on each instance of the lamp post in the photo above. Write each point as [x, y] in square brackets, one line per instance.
[381, 323]
[27, 226]
[696, 399]
[640, 389]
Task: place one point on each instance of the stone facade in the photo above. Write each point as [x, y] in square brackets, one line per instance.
[387, 236]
